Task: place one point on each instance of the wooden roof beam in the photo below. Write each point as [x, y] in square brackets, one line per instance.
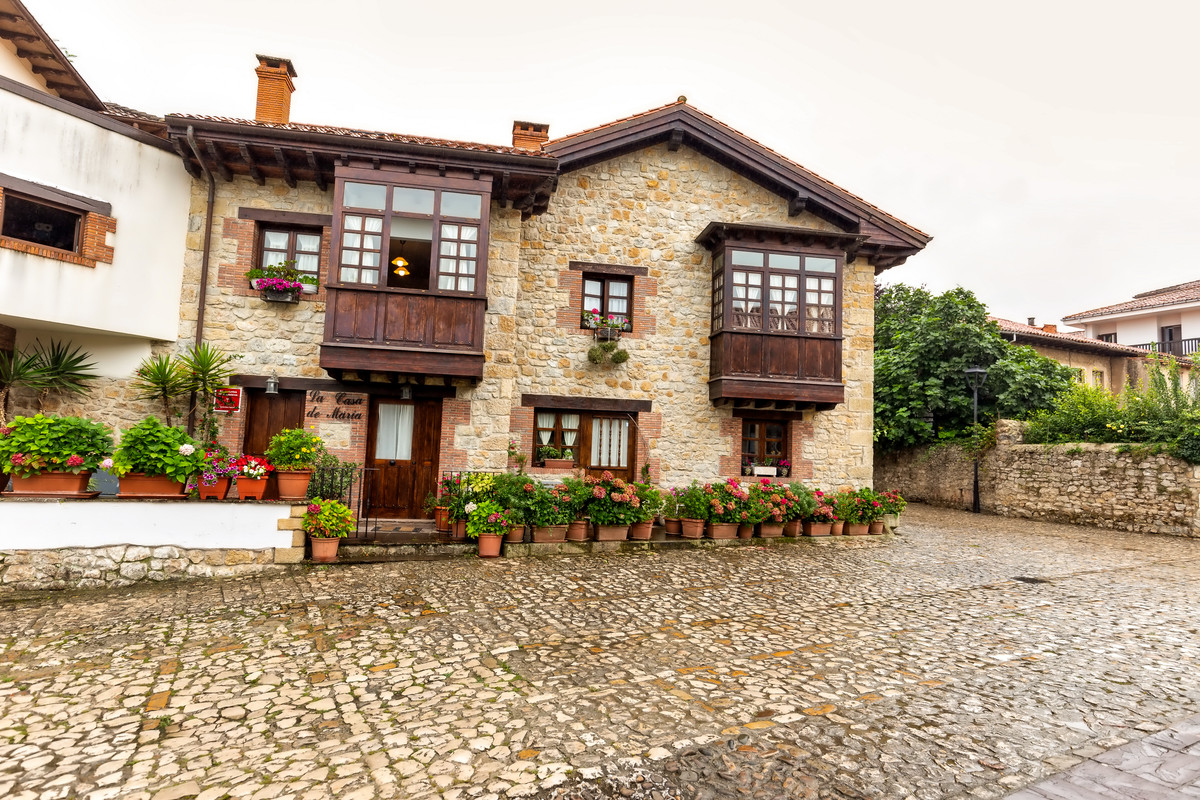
[318, 176]
[797, 205]
[7, 17]
[255, 172]
[280, 159]
[222, 167]
[191, 168]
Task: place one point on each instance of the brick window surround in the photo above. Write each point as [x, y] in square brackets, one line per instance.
[245, 231]
[95, 225]
[570, 317]
[798, 448]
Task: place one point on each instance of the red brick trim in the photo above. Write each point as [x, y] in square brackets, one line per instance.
[568, 317]
[799, 447]
[455, 412]
[232, 276]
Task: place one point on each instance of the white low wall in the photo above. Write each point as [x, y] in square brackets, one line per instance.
[53, 525]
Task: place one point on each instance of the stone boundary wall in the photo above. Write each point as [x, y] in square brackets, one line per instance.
[1083, 484]
[125, 564]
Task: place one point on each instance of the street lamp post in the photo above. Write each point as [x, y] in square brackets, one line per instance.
[975, 377]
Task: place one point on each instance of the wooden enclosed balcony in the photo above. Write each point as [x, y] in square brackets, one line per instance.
[776, 367]
[403, 331]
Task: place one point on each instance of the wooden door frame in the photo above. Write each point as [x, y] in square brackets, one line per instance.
[422, 406]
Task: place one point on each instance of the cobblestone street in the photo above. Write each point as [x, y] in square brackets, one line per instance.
[970, 657]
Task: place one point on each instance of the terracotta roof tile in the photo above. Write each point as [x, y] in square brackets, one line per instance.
[381, 136]
[1067, 338]
[115, 110]
[1167, 296]
[683, 103]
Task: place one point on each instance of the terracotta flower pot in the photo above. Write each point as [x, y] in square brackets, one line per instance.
[293, 484]
[837, 527]
[324, 549]
[559, 463]
[672, 524]
[769, 530]
[441, 519]
[641, 530]
[612, 533]
[578, 531]
[792, 528]
[692, 528]
[138, 484]
[251, 488]
[817, 528]
[876, 527]
[458, 530]
[857, 529]
[745, 531]
[550, 534]
[722, 530]
[516, 535]
[215, 492]
[65, 484]
[489, 545]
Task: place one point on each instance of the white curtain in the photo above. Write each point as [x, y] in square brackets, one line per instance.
[610, 442]
[545, 420]
[570, 432]
[393, 438]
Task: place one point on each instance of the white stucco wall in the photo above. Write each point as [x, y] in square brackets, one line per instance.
[100, 523]
[18, 68]
[114, 356]
[138, 294]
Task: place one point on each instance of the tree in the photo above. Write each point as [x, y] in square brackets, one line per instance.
[923, 342]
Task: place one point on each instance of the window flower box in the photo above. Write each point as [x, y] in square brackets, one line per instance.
[559, 463]
[280, 295]
[767, 471]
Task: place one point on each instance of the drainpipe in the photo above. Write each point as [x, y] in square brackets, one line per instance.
[204, 259]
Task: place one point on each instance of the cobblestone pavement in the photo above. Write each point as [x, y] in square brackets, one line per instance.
[970, 657]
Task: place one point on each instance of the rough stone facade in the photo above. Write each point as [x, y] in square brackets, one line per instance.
[1085, 484]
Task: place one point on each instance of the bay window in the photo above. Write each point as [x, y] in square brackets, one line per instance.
[775, 292]
[411, 231]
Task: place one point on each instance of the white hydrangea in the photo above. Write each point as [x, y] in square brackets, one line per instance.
[186, 449]
[469, 507]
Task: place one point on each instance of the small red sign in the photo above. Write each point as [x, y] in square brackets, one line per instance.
[228, 400]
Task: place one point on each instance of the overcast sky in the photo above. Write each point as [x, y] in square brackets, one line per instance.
[1049, 146]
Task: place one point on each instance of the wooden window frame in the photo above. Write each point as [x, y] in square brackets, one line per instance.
[260, 235]
[605, 279]
[723, 264]
[762, 439]
[583, 440]
[556, 432]
[391, 179]
[80, 221]
[1111, 338]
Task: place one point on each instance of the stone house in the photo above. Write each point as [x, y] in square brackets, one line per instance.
[455, 280]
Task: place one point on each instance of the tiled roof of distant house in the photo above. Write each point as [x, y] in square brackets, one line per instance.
[1069, 340]
[1167, 296]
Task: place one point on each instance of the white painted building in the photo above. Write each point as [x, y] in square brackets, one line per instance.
[93, 211]
[1166, 320]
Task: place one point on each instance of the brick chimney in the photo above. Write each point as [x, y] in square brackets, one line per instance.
[1032, 322]
[1050, 328]
[275, 89]
[530, 135]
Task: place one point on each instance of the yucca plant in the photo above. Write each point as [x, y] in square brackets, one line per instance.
[64, 369]
[20, 368]
[208, 369]
[161, 378]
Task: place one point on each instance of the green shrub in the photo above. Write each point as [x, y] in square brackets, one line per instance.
[1080, 414]
[154, 449]
[294, 448]
[32, 445]
[328, 519]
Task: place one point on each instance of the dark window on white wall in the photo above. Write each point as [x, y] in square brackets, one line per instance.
[41, 223]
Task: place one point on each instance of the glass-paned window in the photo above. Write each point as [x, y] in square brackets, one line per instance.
[609, 296]
[610, 442]
[417, 239]
[41, 223]
[747, 293]
[784, 302]
[764, 441]
[819, 309]
[559, 430]
[303, 246]
[394, 433]
[718, 302]
[1107, 337]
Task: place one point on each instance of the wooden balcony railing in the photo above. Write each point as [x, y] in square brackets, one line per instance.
[1173, 347]
[778, 367]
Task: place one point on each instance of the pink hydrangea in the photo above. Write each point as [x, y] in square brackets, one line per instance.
[106, 463]
[314, 508]
[75, 461]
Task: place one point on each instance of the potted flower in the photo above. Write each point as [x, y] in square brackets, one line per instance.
[154, 460]
[51, 455]
[612, 507]
[801, 503]
[293, 451]
[893, 505]
[549, 512]
[784, 466]
[327, 522]
[777, 503]
[726, 505]
[694, 509]
[575, 494]
[670, 511]
[438, 506]
[747, 466]
[819, 521]
[604, 328]
[282, 282]
[650, 502]
[453, 492]
[216, 474]
[554, 458]
[873, 509]
[251, 475]
[850, 510]
[488, 522]
[751, 512]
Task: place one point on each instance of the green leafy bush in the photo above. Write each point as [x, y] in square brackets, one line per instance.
[294, 449]
[547, 506]
[489, 518]
[154, 449]
[328, 519]
[694, 502]
[32, 445]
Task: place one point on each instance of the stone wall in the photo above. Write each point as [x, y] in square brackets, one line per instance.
[1084, 484]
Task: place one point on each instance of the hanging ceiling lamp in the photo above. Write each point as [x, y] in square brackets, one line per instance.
[401, 266]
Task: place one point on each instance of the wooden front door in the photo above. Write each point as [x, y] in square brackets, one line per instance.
[402, 453]
[267, 415]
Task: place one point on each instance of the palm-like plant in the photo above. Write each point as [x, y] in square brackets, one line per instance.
[64, 369]
[162, 378]
[18, 368]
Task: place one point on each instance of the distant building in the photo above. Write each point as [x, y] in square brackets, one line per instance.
[1166, 320]
[1095, 361]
